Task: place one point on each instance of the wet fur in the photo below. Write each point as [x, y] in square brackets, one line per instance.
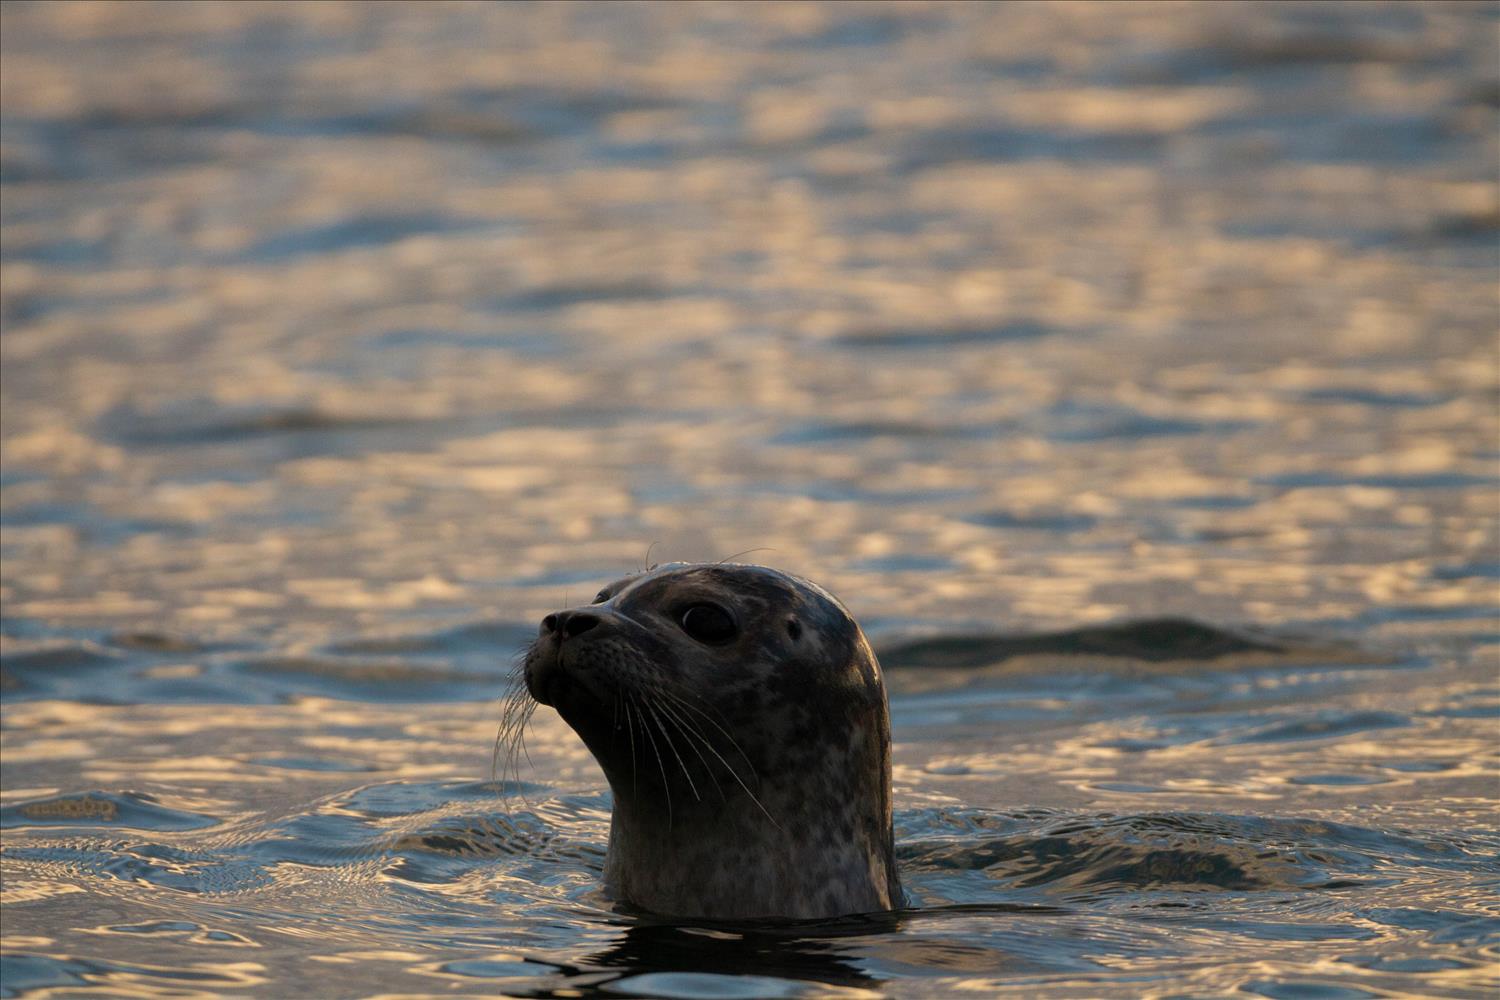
[750, 779]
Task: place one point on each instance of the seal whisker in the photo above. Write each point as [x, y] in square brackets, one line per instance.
[660, 766]
[710, 720]
[690, 733]
[630, 730]
[671, 744]
[510, 739]
[510, 705]
[735, 774]
[745, 552]
[525, 708]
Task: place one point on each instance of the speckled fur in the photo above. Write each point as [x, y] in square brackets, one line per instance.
[750, 779]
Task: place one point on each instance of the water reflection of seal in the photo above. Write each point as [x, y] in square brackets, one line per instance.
[740, 718]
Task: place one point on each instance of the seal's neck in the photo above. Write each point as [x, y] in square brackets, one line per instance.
[805, 856]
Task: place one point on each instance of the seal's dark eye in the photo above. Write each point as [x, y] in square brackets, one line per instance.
[708, 623]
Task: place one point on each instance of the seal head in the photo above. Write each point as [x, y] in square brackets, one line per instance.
[740, 717]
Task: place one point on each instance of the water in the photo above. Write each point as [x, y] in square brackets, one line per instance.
[1129, 371]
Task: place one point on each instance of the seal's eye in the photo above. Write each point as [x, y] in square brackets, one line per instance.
[708, 623]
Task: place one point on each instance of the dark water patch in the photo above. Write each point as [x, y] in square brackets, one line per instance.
[1132, 746]
[63, 669]
[371, 679]
[1093, 857]
[1419, 766]
[1467, 571]
[1372, 138]
[1215, 502]
[19, 477]
[311, 764]
[91, 525]
[1151, 640]
[1376, 963]
[161, 643]
[58, 252]
[1276, 62]
[1030, 68]
[563, 577]
[903, 564]
[1489, 710]
[1075, 422]
[1322, 725]
[488, 116]
[865, 30]
[907, 338]
[870, 430]
[191, 114]
[851, 492]
[1275, 52]
[353, 233]
[1015, 143]
[57, 656]
[670, 960]
[1472, 226]
[566, 110]
[50, 150]
[124, 810]
[1082, 857]
[537, 343]
[547, 298]
[1416, 481]
[488, 127]
[1062, 521]
[203, 422]
[1371, 397]
[1474, 232]
[1306, 989]
[1337, 779]
[489, 638]
[1128, 787]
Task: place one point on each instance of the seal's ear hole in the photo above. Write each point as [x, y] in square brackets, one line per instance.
[794, 629]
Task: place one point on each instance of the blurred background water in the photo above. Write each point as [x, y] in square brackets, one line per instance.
[1130, 370]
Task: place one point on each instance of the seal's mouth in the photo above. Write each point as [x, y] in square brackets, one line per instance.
[544, 674]
[552, 682]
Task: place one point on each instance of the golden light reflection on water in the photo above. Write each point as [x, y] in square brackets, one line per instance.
[342, 342]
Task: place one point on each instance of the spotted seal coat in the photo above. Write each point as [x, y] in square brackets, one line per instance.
[740, 718]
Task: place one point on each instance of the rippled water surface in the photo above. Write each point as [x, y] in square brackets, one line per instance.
[1129, 370]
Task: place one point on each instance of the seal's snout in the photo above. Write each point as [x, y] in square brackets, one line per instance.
[566, 624]
[553, 667]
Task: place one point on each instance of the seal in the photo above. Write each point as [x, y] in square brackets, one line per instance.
[741, 720]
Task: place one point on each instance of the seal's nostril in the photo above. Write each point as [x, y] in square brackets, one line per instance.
[568, 623]
[579, 623]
